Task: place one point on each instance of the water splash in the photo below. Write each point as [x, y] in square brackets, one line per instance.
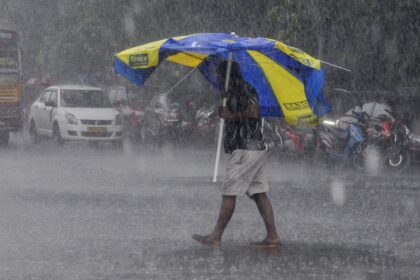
[338, 192]
[372, 161]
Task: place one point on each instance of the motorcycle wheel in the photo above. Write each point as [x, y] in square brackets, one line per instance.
[358, 158]
[143, 135]
[398, 163]
[274, 140]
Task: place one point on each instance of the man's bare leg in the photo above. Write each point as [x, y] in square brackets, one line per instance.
[266, 210]
[225, 213]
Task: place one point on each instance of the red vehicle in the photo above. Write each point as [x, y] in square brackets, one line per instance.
[130, 106]
[295, 141]
[388, 135]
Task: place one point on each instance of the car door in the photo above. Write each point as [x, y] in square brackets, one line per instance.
[34, 113]
[53, 97]
[42, 114]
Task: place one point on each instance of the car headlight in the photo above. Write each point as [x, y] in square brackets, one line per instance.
[71, 119]
[118, 120]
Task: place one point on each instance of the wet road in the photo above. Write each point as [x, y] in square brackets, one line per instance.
[79, 212]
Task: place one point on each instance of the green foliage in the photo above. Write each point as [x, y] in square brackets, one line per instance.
[377, 40]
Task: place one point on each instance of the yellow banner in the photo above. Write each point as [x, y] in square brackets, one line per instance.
[142, 57]
[289, 91]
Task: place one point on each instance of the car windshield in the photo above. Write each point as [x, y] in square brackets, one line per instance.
[84, 99]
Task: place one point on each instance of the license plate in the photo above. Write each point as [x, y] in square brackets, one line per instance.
[96, 129]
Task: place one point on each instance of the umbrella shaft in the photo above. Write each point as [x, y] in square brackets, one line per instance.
[222, 121]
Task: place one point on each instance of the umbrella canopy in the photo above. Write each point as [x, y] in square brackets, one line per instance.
[288, 81]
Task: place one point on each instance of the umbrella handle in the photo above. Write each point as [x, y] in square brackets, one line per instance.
[219, 145]
[222, 121]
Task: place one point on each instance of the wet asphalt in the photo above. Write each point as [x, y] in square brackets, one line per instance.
[82, 212]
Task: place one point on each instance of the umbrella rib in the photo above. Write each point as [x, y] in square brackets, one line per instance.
[180, 81]
[322, 61]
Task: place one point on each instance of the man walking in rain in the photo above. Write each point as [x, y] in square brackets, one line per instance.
[244, 143]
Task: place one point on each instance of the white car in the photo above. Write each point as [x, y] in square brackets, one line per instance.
[75, 112]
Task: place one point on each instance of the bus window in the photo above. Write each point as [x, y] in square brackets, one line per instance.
[9, 54]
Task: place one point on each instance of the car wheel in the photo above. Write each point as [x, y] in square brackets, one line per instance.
[57, 135]
[143, 134]
[33, 133]
[136, 135]
[4, 138]
[117, 144]
[93, 144]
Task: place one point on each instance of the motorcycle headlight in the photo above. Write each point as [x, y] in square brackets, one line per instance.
[329, 122]
[118, 119]
[71, 119]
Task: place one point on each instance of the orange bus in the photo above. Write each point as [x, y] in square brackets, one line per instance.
[10, 83]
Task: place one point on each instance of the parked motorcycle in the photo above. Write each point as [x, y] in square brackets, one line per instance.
[162, 119]
[206, 123]
[392, 138]
[271, 134]
[130, 106]
[344, 139]
[294, 141]
[414, 146]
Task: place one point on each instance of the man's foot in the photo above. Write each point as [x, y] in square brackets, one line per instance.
[206, 241]
[266, 244]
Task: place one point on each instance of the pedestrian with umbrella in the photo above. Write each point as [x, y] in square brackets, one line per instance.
[261, 78]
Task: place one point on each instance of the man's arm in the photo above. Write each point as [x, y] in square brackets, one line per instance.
[251, 112]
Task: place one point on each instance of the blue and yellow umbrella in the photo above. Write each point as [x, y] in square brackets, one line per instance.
[288, 81]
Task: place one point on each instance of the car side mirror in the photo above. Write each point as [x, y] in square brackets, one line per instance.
[50, 103]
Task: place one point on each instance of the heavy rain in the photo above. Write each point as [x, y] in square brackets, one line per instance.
[112, 160]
